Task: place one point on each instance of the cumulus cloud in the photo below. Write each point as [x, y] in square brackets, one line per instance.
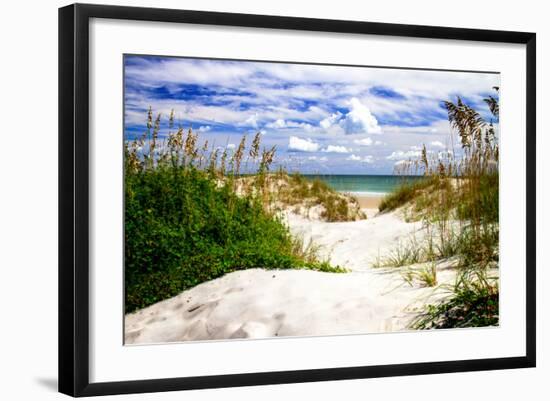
[360, 120]
[282, 124]
[333, 124]
[205, 128]
[302, 145]
[399, 154]
[332, 119]
[354, 158]
[279, 123]
[364, 142]
[336, 149]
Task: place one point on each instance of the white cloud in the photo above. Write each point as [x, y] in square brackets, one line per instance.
[279, 123]
[377, 143]
[332, 124]
[354, 158]
[336, 149]
[368, 159]
[316, 158]
[364, 142]
[327, 122]
[231, 146]
[303, 126]
[205, 128]
[437, 144]
[302, 145]
[360, 120]
[399, 154]
[252, 120]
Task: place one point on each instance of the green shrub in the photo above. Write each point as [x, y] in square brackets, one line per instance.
[181, 229]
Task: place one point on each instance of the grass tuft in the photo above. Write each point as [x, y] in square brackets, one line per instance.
[474, 303]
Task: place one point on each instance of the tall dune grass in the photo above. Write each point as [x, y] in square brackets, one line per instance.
[458, 203]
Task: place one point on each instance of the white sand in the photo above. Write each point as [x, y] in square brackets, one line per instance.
[357, 244]
[265, 303]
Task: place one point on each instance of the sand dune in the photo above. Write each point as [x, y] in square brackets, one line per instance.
[357, 244]
[260, 303]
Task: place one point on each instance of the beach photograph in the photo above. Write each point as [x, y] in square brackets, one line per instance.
[276, 199]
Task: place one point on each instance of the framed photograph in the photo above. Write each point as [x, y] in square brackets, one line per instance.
[251, 199]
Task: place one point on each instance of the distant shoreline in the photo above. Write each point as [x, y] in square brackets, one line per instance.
[363, 185]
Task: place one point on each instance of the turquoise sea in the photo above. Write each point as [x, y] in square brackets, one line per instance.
[363, 184]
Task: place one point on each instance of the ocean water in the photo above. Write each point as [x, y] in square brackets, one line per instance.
[363, 184]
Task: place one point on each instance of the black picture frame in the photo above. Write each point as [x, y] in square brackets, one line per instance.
[74, 198]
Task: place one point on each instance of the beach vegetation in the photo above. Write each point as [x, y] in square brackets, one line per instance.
[457, 200]
[428, 275]
[302, 194]
[407, 191]
[405, 254]
[474, 302]
[187, 220]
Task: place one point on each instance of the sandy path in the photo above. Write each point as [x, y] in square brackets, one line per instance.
[260, 303]
[356, 245]
[368, 201]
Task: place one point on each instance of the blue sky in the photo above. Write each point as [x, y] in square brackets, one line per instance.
[322, 119]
